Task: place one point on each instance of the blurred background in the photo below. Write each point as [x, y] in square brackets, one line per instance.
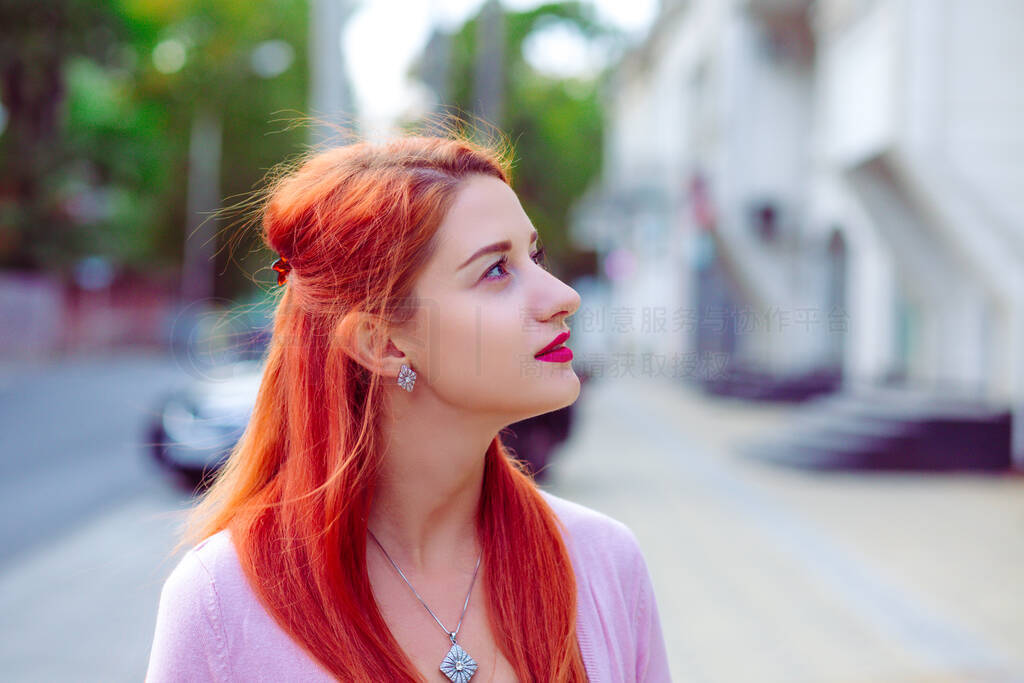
[797, 227]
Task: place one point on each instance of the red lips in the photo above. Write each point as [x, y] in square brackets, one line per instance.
[554, 342]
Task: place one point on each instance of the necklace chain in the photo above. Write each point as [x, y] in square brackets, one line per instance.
[451, 634]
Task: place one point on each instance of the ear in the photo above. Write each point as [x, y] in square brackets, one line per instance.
[367, 339]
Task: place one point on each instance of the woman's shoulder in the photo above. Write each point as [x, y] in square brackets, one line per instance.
[192, 636]
[595, 539]
[212, 561]
[618, 624]
[210, 624]
[210, 577]
[588, 524]
[217, 552]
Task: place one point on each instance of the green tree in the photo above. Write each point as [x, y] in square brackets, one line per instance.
[556, 124]
[129, 76]
[36, 40]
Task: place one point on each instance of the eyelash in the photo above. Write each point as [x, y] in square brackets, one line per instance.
[538, 258]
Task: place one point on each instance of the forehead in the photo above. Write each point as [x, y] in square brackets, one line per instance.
[485, 210]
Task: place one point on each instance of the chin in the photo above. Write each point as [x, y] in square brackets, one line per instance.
[548, 401]
[568, 391]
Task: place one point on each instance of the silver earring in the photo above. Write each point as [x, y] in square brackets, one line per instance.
[406, 377]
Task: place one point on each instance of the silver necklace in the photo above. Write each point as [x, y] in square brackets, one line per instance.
[457, 665]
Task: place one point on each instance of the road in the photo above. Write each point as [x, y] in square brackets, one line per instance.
[81, 531]
[73, 435]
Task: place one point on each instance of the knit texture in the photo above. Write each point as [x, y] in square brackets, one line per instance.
[211, 627]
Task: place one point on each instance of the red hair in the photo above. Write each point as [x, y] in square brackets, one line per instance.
[357, 223]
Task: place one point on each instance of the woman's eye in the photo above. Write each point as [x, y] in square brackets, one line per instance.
[538, 258]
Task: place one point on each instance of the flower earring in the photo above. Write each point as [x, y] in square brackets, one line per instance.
[406, 377]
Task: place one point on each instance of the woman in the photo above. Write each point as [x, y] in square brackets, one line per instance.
[370, 525]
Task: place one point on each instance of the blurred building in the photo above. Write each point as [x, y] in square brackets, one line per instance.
[831, 184]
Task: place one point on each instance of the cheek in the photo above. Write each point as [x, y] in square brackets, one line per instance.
[480, 341]
[502, 340]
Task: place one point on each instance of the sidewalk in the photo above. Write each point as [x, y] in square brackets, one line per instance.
[769, 574]
[83, 607]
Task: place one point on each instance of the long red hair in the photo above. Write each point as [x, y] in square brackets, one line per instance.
[357, 223]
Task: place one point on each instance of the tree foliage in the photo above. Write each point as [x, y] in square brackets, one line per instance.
[108, 172]
[555, 123]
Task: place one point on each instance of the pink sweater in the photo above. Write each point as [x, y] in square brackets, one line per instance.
[211, 627]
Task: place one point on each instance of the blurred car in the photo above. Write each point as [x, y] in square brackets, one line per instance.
[194, 429]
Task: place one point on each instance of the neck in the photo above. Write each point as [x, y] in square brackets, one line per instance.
[426, 500]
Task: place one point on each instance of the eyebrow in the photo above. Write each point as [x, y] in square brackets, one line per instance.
[504, 245]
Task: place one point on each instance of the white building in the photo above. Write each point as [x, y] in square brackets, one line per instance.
[864, 171]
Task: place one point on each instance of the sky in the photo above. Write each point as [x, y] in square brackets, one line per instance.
[379, 50]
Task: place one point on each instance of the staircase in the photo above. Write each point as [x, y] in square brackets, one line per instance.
[755, 384]
[887, 428]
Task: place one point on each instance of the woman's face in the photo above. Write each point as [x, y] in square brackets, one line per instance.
[485, 311]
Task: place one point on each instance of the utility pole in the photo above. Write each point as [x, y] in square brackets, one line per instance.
[489, 77]
[197, 273]
[330, 98]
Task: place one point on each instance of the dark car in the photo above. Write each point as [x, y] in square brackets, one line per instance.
[195, 428]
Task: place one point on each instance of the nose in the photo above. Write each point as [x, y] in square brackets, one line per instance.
[558, 299]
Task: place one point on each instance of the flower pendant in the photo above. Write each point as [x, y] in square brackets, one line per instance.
[458, 666]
